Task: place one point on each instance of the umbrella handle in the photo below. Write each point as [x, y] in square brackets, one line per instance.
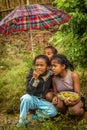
[28, 2]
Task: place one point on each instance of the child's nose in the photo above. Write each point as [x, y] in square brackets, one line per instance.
[39, 66]
[52, 67]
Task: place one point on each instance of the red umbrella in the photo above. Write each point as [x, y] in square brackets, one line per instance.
[31, 17]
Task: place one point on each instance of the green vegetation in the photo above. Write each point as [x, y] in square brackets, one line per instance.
[72, 37]
[16, 60]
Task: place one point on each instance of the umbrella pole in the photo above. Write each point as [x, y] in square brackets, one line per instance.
[28, 2]
[31, 41]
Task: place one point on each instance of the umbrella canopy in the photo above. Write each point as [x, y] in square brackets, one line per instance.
[31, 17]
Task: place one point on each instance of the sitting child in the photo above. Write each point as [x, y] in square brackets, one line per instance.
[38, 84]
[50, 51]
[66, 80]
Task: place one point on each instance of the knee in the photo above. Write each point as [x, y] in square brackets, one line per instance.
[76, 112]
[60, 104]
[26, 98]
[53, 111]
[49, 96]
[61, 107]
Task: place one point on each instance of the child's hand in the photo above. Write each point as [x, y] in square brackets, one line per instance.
[55, 100]
[70, 102]
[36, 74]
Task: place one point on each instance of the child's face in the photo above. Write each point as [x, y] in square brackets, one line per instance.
[56, 67]
[55, 100]
[49, 53]
[41, 66]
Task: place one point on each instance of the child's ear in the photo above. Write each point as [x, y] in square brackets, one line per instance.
[64, 66]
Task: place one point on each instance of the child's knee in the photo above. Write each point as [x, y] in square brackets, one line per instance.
[61, 106]
[26, 98]
[76, 111]
[52, 111]
[60, 103]
[49, 96]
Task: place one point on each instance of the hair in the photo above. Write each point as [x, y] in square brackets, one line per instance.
[54, 50]
[44, 57]
[62, 59]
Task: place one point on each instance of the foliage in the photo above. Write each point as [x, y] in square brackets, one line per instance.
[14, 66]
[69, 45]
[72, 35]
[15, 62]
[12, 86]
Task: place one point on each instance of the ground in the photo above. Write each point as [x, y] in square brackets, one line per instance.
[22, 40]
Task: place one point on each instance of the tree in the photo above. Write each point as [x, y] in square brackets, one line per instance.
[72, 37]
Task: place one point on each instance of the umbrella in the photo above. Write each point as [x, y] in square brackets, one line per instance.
[30, 17]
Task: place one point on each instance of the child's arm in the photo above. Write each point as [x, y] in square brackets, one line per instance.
[32, 82]
[54, 85]
[76, 82]
[29, 76]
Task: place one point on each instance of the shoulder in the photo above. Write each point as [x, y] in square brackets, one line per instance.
[54, 78]
[74, 75]
[31, 71]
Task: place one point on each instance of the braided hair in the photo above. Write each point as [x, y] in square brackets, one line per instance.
[62, 59]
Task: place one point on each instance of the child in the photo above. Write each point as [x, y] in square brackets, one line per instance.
[38, 84]
[50, 51]
[66, 80]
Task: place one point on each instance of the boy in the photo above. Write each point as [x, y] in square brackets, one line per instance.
[50, 51]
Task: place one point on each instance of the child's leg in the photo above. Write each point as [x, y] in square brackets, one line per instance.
[45, 109]
[26, 104]
[77, 109]
[49, 96]
[32, 102]
[61, 106]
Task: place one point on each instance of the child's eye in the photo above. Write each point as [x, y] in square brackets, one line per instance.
[39, 65]
[36, 64]
[55, 65]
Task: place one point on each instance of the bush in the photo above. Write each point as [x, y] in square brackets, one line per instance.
[72, 37]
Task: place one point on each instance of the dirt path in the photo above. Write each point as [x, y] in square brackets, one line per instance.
[7, 120]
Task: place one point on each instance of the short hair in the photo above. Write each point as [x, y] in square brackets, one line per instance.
[54, 50]
[44, 57]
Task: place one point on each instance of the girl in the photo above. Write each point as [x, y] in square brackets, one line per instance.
[38, 84]
[66, 80]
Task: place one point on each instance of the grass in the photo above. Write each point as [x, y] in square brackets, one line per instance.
[59, 123]
[15, 62]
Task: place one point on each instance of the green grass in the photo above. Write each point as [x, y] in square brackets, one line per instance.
[59, 123]
[15, 62]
